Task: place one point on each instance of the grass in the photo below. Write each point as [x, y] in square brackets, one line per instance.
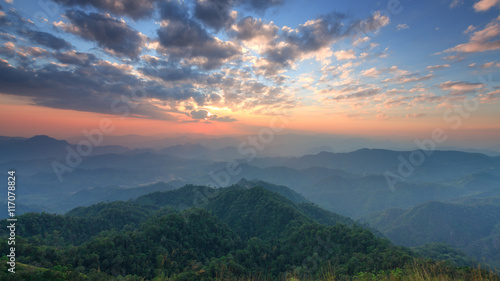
[417, 271]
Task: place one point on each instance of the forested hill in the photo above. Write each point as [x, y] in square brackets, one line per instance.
[201, 233]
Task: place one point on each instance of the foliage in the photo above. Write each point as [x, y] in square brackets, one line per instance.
[234, 234]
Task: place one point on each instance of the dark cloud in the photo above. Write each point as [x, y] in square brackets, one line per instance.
[371, 24]
[214, 13]
[307, 38]
[316, 34]
[75, 58]
[360, 94]
[277, 58]
[260, 5]
[292, 44]
[93, 88]
[47, 39]
[177, 93]
[152, 61]
[460, 87]
[410, 78]
[217, 13]
[171, 73]
[135, 9]
[203, 114]
[183, 34]
[13, 23]
[226, 119]
[249, 28]
[215, 98]
[109, 33]
[173, 10]
[181, 37]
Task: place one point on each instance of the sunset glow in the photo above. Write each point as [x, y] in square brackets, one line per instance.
[356, 68]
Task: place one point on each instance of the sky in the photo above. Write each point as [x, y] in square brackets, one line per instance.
[360, 67]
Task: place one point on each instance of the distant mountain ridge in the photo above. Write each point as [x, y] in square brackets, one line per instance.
[349, 183]
[474, 228]
[37, 147]
[44, 147]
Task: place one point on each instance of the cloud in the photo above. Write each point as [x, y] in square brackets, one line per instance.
[8, 37]
[353, 116]
[171, 73]
[214, 13]
[206, 115]
[46, 39]
[382, 116]
[490, 97]
[2, 16]
[192, 69]
[260, 5]
[75, 58]
[361, 40]
[481, 40]
[356, 95]
[109, 33]
[375, 22]
[102, 87]
[315, 34]
[372, 72]
[485, 65]
[35, 52]
[250, 28]
[181, 37]
[226, 119]
[469, 29]
[436, 67]
[410, 78]
[456, 3]
[488, 64]
[460, 87]
[415, 115]
[485, 5]
[24, 55]
[219, 14]
[454, 58]
[135, 9]
[202, 114]
[345, 55]
[402, 26]
[313, 39]
[11, 21]
[232, 88]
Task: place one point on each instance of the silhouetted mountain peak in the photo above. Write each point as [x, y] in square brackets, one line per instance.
[44, 139]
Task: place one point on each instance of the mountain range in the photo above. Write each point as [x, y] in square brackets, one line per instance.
[202, 233]
[453, 189]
